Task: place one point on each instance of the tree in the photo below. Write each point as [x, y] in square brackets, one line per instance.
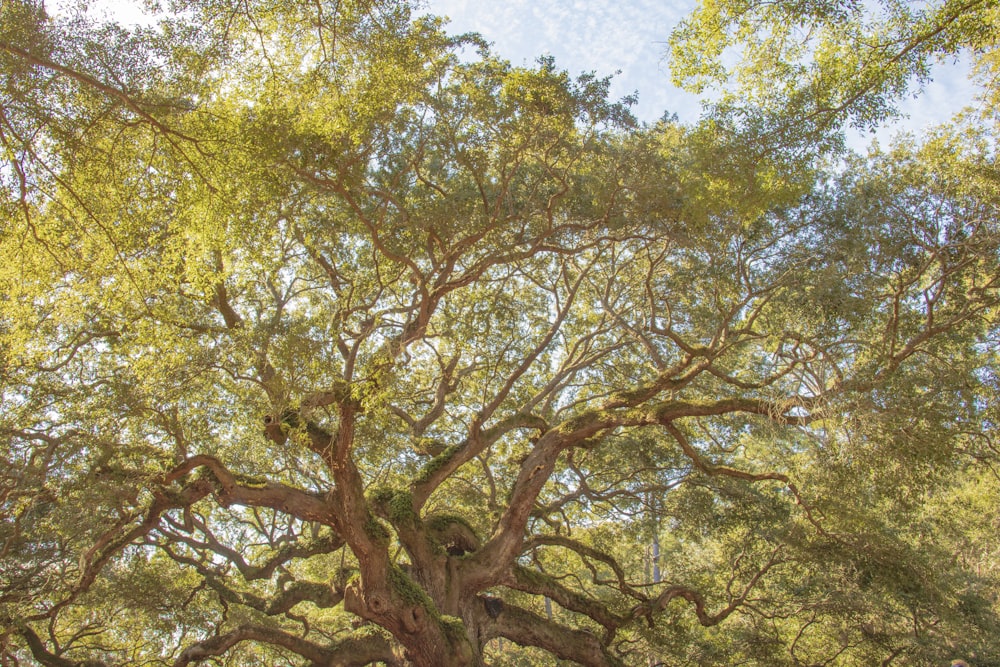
[814, 66]
[324, 340]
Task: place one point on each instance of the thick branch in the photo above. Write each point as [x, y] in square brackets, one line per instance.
[229, 490]
[39, 652]
[351, 651]
[529, 629]
[530, 581]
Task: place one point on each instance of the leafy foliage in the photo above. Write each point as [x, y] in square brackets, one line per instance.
[329, 338]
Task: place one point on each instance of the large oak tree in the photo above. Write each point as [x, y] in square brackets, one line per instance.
[328, 338]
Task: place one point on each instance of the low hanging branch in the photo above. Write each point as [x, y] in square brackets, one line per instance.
[366, 648]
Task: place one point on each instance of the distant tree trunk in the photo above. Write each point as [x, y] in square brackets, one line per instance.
[656, 555]
[548, 603]
[653, 563]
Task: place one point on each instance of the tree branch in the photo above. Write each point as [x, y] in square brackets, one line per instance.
[352, 651]
[530, 629]
[90, 81]
[229, 490]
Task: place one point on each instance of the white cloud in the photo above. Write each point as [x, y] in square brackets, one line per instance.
[584, 36]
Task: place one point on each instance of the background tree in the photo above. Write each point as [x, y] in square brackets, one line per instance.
[814, 66]
[328, 338]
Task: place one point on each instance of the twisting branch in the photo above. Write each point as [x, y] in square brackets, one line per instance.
[38, 651]
[530, 629]
[660, 602]
[586, 552]
[257, 493]
[725, 471]
[529, 581]
[249, 572]
[360, 650]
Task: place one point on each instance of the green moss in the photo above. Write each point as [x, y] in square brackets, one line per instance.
[428, 446]
[371, 631]
[380, 495]
[453, 532]
[583, 421]
[440, 522]
[376, 530]
[533, 576]
[342, 576]
[251, 482]
[341, 390]
[453, 627]
[394, 504]
[401, 509]
[437, 463]
[409, 592]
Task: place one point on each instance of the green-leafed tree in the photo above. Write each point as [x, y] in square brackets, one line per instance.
[811, 66]
[328, 338]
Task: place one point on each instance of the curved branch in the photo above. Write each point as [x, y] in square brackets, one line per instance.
[442, 466]
[585, 551]
[706, 619]
[583, 430]
[725, 471]
[529, 581]
[712, 469]
[352, 651]
[114, 540]
[40, 653]
[530, 629]
[250, 572]
[322, 595]
[257, 493]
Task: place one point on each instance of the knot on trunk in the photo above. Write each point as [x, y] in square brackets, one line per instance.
[414, 619]
[397, 610]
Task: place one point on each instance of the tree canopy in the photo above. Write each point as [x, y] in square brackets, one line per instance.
[330, 338]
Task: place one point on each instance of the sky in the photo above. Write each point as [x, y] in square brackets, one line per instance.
[603, 36]
[630, 36]
[628, 39]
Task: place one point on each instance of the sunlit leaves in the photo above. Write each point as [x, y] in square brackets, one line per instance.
[307, 315]
[824, 63]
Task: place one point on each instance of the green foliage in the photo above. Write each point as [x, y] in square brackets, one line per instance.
[821, 63]
[730, 347]
[377, 530]
[437, 463]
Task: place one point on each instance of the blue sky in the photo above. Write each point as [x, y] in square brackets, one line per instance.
[586, 35]
[630, 35]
